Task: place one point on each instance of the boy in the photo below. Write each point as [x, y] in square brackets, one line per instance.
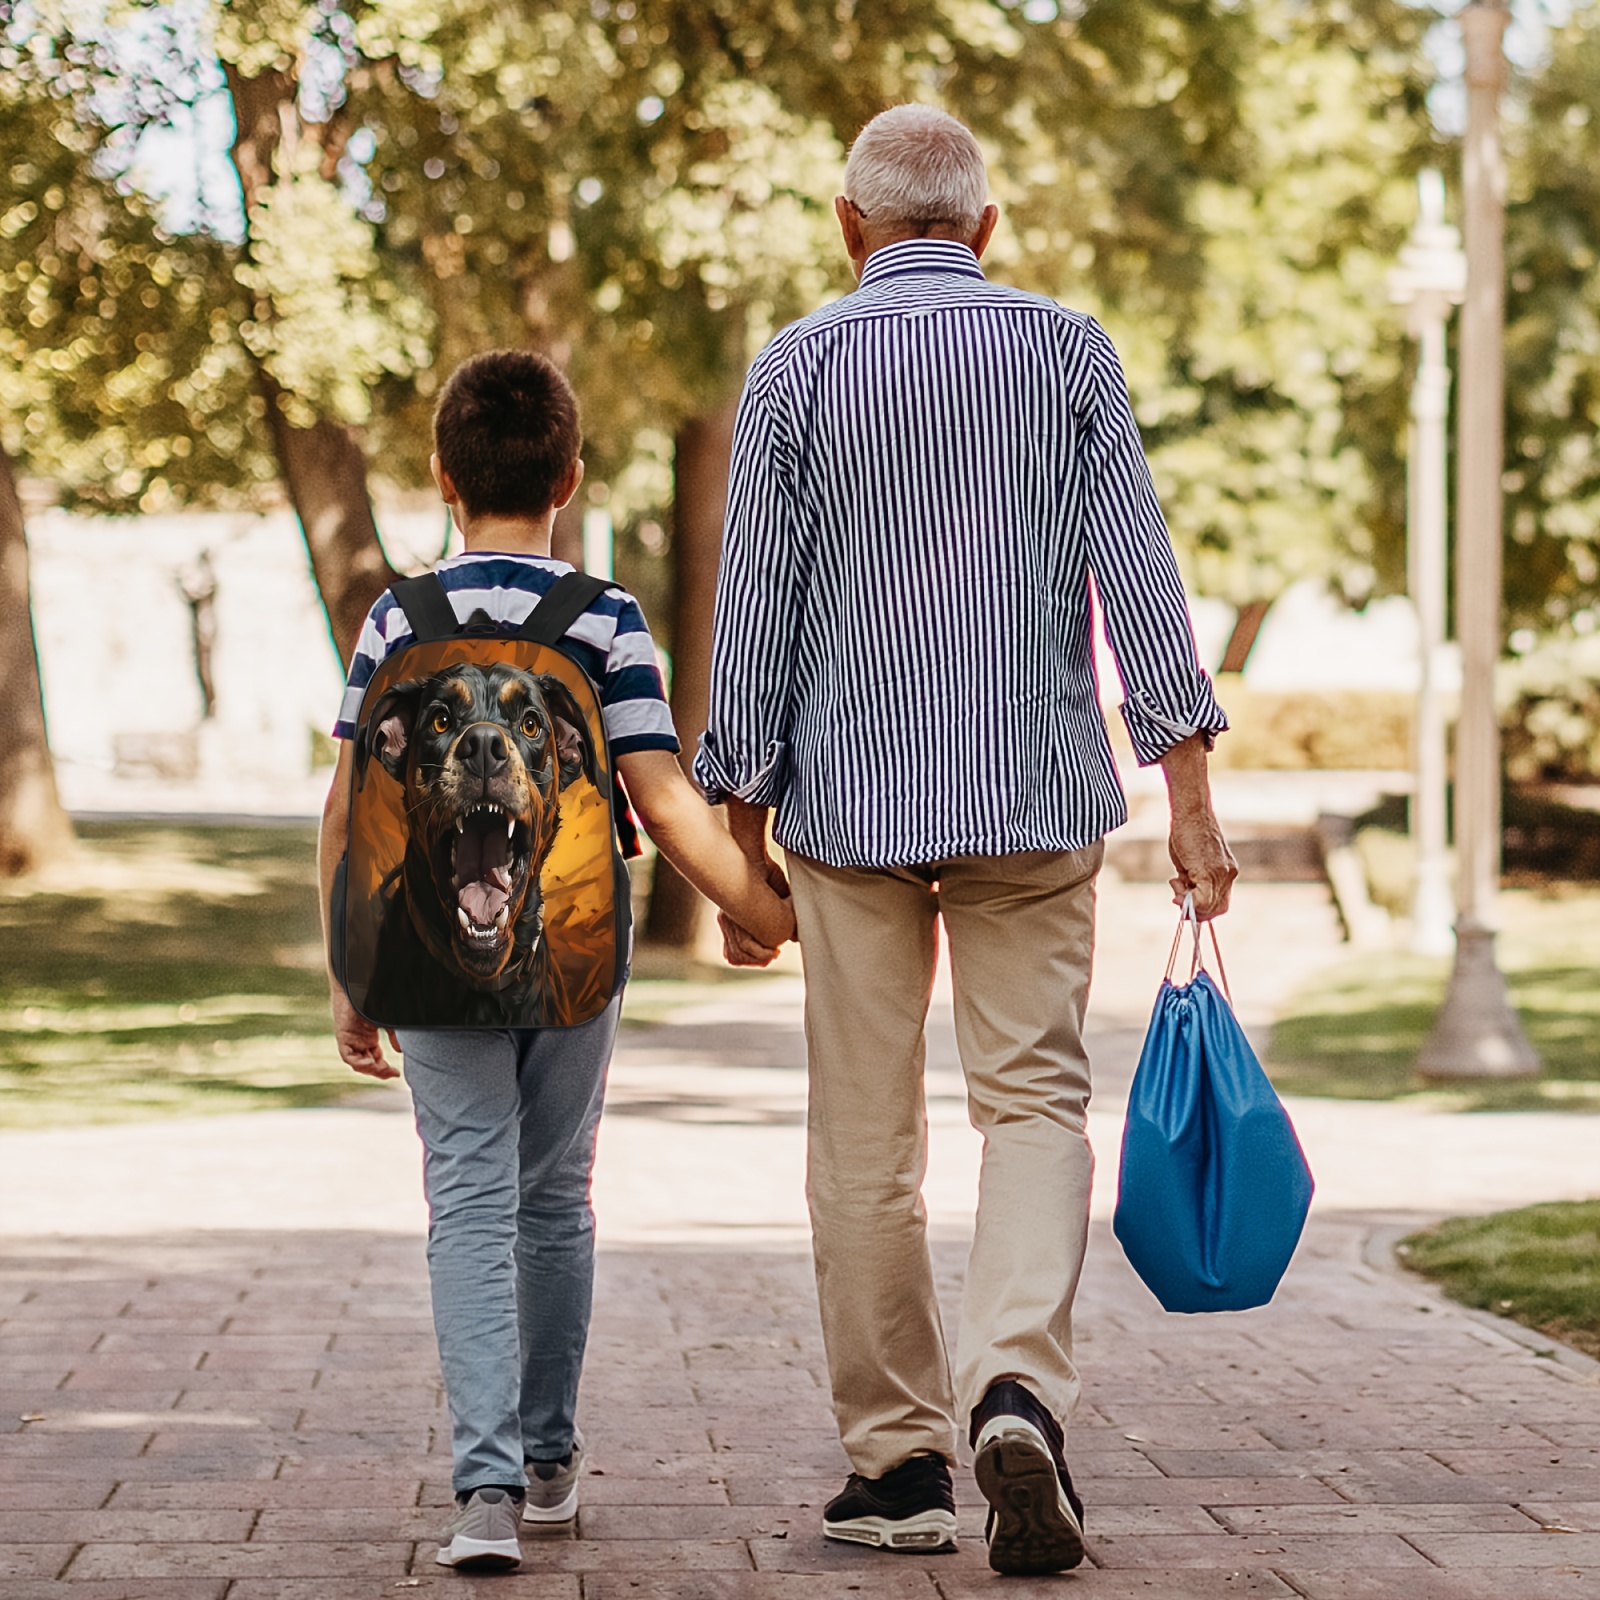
[508, 1118]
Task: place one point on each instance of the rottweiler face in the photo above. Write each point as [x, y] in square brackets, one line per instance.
[483, 753]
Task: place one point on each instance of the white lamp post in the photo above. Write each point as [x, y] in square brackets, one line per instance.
[1477, 1034]
[1431, 278]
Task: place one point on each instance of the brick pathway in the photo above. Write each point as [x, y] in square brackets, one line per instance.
[258, 1417]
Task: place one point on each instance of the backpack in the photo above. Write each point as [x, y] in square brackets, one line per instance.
[484, 884]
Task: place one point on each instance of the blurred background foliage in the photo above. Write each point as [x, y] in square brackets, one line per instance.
[642, 188]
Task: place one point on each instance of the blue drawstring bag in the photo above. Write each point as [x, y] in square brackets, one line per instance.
[1213, 1189]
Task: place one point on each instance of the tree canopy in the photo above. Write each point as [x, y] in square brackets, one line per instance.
[642, 188]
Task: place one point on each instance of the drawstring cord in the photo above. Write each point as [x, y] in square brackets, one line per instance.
[1187, 918]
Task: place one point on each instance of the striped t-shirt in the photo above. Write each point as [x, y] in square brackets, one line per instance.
[610, 641]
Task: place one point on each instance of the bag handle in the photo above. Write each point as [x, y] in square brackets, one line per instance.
[1187, 918]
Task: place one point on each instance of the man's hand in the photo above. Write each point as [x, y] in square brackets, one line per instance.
[1206, 868]
[358, 1040]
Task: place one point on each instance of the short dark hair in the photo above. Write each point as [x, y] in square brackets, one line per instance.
[506, 432]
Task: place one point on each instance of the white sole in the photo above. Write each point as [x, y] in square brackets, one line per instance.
[1035, 1530]
[932, 1530]
[485, 1555]
[564, 1512]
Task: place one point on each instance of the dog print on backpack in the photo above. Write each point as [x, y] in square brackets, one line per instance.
[482, 886]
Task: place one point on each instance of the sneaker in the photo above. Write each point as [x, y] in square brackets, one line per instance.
[1035, 1516]
[553, 1486]
[910, 1508]
[483, 1535]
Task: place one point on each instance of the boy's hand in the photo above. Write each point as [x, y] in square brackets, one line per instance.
[359, 1047]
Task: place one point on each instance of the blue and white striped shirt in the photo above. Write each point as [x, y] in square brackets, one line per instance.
[927, 476]
[610, 641]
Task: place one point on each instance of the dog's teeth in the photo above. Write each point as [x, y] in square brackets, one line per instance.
[503, 917]
[510, 826]
[466, 921]
[461, 824]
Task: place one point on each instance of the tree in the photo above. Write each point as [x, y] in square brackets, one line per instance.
[99, 317]
[1552, 562]
[1275, 415]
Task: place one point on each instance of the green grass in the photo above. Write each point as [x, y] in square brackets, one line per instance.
[167, 970]
[173, 970]
[1539, 1265]
[1354, 1031]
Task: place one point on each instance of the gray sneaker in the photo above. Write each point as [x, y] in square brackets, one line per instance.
[553, 1487]
[482, 1537]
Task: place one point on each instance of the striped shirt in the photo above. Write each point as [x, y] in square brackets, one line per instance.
[610, 641]
[928, 476]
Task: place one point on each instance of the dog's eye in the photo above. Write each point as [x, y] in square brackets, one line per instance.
[530, 726]
[440, 722]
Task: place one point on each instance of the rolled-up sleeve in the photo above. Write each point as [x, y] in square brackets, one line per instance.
[1167, 696]
[743, 752]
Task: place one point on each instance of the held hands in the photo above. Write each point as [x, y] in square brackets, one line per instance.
[359, 1047]
[757, 945]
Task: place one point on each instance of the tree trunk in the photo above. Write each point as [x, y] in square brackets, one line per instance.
[33, 827]
[1243, 638]
[703, 450]
[323, 468]
[325, 474]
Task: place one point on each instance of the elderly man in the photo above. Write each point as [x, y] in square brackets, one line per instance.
[928, 477]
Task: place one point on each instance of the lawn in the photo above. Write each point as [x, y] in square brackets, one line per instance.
[167, 969]
[177, 969]
[1539, 1265]
[1354, 1031]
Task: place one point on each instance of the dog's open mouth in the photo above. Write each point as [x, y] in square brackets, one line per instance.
[488, 861]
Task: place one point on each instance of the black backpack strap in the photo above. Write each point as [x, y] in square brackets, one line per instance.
[427, 607]
[564, 602]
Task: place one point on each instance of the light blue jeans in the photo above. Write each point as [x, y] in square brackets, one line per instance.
[508, 1122]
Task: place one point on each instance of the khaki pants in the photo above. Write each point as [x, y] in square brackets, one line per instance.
[1020, 930]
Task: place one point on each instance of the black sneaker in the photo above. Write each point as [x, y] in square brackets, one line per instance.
[911, 1508]
[1035, 1516]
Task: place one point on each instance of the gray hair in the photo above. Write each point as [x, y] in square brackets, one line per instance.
[916, 165]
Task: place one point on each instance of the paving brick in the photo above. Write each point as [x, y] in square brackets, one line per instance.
[118, 1589]
[281, 1524]
[1429, 1516]
[429, 1581]
[32, 1560]
[602, 1489]
[293, 1560]
[1575, 1516]
[898, 1583]
[38, 1445]
[1206, 1491]
[130, 1527]
[67, 1494]
[1360, 1584]
[1226, 1551]
[1535, 1548]
[604, 1523]
[635, 1555]
[1127, 1584]
[748, 1490]
[375, 1494]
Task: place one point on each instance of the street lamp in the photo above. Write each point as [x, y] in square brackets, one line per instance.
[1476, 1034]
[1431, 278]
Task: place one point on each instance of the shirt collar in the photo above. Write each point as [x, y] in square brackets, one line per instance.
[920, 255]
